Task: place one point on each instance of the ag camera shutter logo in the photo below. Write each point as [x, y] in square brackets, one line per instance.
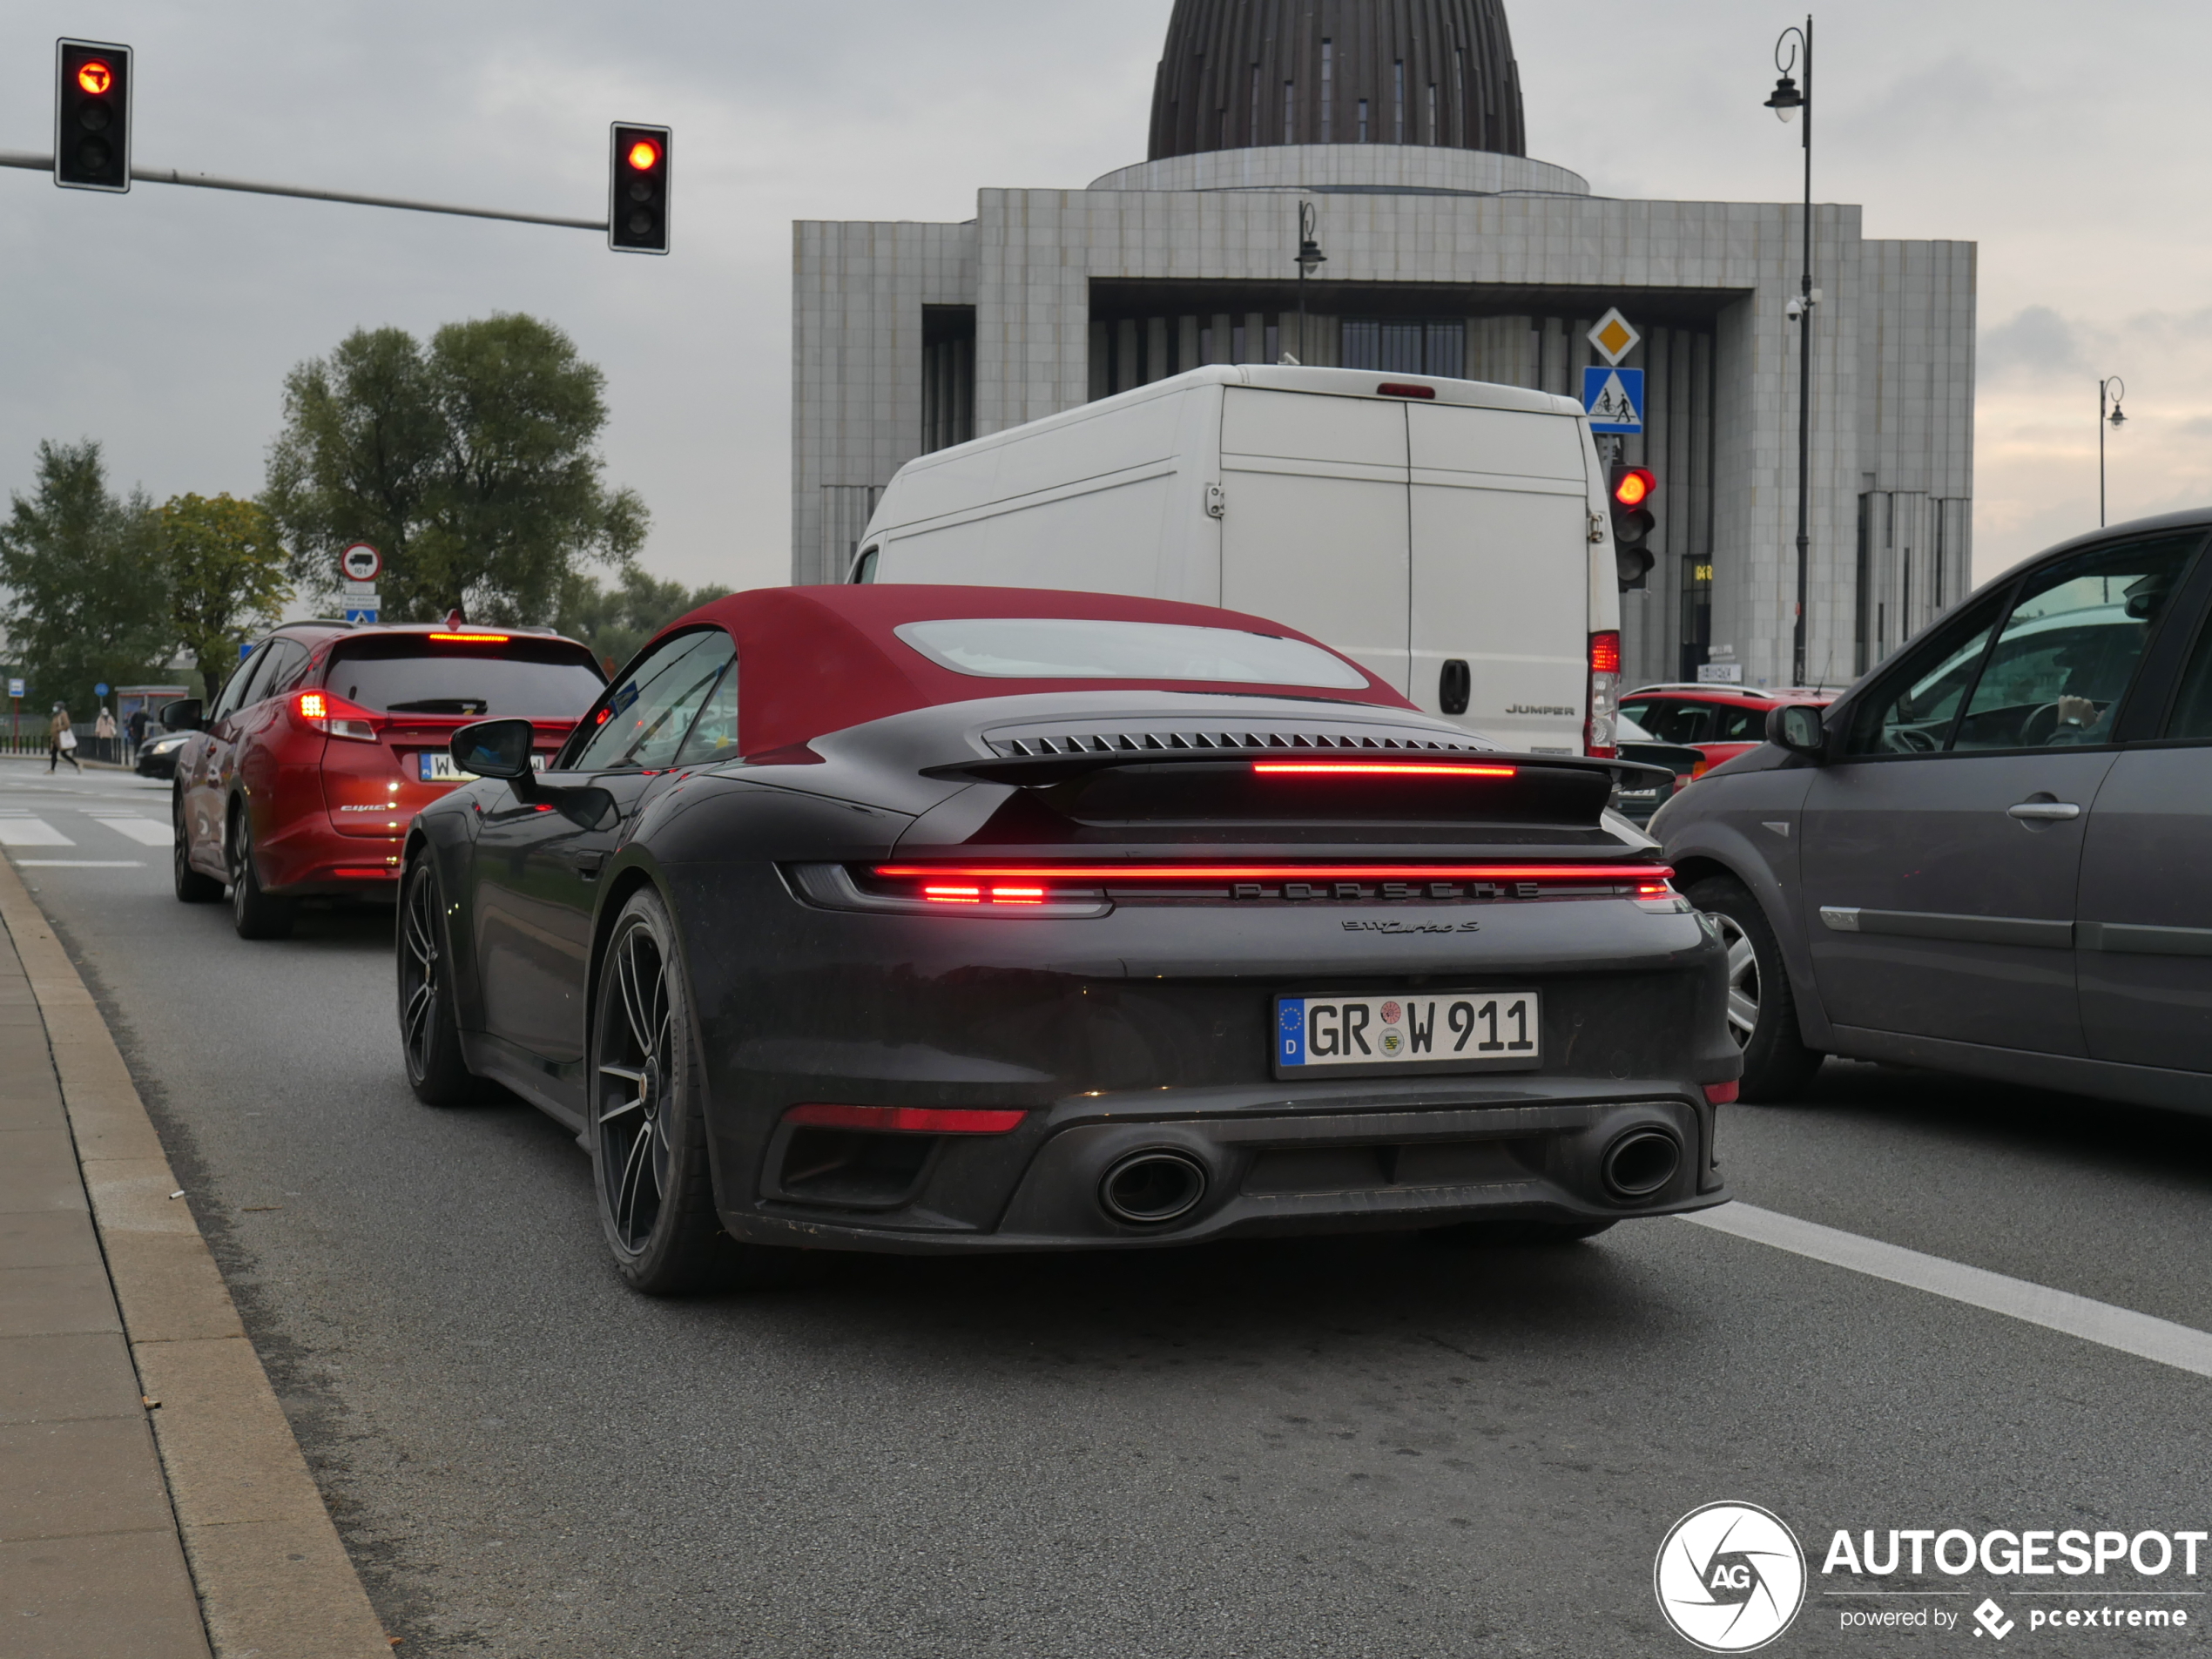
[1730, 1577]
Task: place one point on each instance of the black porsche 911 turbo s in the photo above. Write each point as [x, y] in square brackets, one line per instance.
[937, 918]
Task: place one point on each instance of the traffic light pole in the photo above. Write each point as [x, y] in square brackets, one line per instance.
[32, 161]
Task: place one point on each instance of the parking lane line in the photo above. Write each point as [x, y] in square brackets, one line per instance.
[2178, 1346]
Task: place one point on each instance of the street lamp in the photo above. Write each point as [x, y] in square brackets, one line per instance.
[2117, 390]
[1309, 255]
[1786, 101]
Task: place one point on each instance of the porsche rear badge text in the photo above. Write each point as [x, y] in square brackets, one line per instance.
[1411, 927]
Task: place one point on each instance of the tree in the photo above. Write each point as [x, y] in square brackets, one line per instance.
[469, 466]
[87, 598]
[225, 569]
[614, 621]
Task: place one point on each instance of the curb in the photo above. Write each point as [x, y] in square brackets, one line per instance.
[272, 1576]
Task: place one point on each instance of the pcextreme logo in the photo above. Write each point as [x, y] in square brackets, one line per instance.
[1730, 1577]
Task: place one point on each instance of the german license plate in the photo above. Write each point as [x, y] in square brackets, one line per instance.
[435, 767]
[1407, 1031]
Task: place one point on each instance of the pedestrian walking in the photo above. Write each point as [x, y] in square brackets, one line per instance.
[135, 726]
[61, 742]
[104, 734]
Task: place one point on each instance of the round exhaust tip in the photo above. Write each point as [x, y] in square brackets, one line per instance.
[1146, 1188]
[1639, 1162]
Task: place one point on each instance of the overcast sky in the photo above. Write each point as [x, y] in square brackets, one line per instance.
[2067, 140]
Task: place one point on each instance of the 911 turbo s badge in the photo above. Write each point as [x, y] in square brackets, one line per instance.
[1411, 927]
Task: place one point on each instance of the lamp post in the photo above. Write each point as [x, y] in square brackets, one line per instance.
[2118, 389]
[1786, 101]
[1309, 255]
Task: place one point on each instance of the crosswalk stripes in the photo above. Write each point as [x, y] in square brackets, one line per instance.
[144, 831]
[20, 827]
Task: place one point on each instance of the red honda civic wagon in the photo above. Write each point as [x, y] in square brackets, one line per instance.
[300, 781]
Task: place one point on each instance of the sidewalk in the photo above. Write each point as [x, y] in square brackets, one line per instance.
[153, 1503]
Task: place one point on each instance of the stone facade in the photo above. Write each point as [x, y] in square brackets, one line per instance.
[1520, 259]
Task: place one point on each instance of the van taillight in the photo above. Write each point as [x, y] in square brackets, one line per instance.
[1404, 388]
[1604, 702]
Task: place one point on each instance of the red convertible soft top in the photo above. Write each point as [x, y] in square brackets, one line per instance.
[813, 660]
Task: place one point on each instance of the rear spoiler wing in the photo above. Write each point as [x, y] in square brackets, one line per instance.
[1036, 771]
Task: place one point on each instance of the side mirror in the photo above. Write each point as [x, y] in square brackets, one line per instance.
[184, 715]
[1799, 728]
[497, 749]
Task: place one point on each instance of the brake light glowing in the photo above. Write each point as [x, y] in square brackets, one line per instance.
[471, 640]
[1382, 768]
[977, 895]
[953, 895]
[905, 1120]
[974, 878]
[333, 717]
[1654, 890]
[1600, 724]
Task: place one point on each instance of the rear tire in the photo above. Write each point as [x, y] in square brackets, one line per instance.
[430, 1027]
[254, 915]
[1761, 1009]
[192, 887]
[648, 1125]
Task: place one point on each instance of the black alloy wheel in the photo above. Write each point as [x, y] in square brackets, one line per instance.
[254, 915]
[429, 1027]
[1761, 1009]
[192, 887]
[649, 1156]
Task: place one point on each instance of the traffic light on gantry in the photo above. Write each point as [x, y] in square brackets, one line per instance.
[91, 116]
[637, 191]
[1630, 495]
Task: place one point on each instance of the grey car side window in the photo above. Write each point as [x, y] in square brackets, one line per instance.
[2070, 647]
[1911, 712]
[2191, 720]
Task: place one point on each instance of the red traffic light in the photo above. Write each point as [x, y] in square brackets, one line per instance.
[1633, 486]
[644, 156]
[95, 77]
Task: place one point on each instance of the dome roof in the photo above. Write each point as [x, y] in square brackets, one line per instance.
[1239, 74]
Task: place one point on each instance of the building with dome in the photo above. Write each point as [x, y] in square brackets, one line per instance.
[1450, 251]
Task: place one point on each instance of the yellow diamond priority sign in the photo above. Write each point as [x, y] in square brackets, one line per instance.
[1613, 337]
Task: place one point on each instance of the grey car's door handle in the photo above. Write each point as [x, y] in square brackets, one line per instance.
[2044, 810]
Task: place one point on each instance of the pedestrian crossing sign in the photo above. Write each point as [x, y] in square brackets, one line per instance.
[361, 613]
[1614, 397]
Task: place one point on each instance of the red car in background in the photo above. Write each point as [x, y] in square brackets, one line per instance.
[302, 779]
[1721, 722]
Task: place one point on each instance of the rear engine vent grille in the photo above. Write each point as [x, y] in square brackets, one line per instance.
[1235, 741]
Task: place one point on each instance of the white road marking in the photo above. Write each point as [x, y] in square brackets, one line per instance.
[144, 831]
[2146, 1338]
[31, 832]
[80, 864]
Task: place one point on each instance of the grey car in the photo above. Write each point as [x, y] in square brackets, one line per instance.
[1989, 856]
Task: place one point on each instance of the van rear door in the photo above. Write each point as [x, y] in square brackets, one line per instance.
[1314, 531]
[1500, 575]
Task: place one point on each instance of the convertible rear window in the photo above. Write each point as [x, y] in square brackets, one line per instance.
[414, 674]
[1040, 648]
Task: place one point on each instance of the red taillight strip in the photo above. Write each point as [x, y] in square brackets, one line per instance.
[905, 1120]
[1388, 768]
[471, 640]
[1097, 873]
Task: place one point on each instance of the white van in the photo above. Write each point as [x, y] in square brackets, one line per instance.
[1452, 536]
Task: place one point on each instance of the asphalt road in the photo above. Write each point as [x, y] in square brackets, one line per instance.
[1319, 1448]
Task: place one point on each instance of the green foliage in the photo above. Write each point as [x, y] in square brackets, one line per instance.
[469, 465]
[227, 576]
[87, 595]
[614, 621]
